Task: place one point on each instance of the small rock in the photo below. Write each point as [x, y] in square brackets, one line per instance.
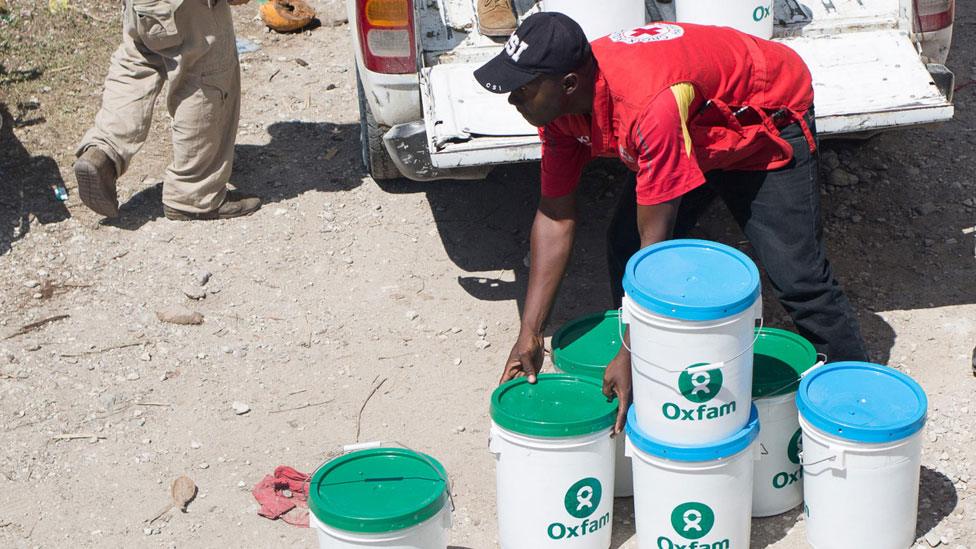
[280, 212]
[944, 456]
[204, 465]
[179, 315]
[33, 347]
[926, 208]
[132, 376]
[933, 539]
[145, 357]
[482, 332]
[951, 241]
[482, 344]
[455, 330]
[830, 159]
[411, 315]
[840, 178]
[347, 260]
[195, 445]
[194, 292]
[329, 216]
[240, 408]
[459, 429]
[457, 361]
[856, 218]
[202, 277]
[32, 283]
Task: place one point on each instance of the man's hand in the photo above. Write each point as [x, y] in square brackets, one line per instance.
[525, 358]
[617, 382]
[237, 2]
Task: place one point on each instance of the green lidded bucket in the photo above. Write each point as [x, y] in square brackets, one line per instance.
[378, 491]
[780, 358]
[586, 345]
[554, 461]
[557, 405]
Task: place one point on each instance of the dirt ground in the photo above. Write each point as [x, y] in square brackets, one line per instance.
[338, 284]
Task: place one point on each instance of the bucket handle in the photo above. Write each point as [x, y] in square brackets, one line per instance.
[707, 367]
[349, 448]
[837, 457]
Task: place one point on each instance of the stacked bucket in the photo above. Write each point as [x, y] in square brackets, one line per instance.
[691, 307]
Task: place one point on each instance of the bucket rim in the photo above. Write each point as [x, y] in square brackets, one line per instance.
[778, 386]
[593, 412]
[739, 289]
[584, 366]
[862, 402]
[724, 448]
[425, 484]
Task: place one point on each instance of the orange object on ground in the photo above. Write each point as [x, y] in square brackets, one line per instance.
[286, 15]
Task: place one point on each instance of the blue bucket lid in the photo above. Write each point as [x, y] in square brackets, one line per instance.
[720, 449]
[862, 402]
[692, 279]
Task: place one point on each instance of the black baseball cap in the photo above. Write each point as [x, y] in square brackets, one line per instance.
[545, 43]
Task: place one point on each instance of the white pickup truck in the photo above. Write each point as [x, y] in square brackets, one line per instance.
[876, 64]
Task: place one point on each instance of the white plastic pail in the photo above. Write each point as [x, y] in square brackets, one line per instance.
[862, 426]
[691, 306]
[554, 463]
[432, 533]
[693, 496]
[752, 16]
[600, 18]
[780, 360]
[413, 487]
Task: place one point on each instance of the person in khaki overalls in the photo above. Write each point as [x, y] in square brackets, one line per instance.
[189, 43]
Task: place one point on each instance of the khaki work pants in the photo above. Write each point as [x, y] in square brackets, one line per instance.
[190, 44]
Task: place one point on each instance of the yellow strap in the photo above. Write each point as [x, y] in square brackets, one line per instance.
[684, 95]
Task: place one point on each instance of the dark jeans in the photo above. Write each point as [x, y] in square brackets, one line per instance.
[779, 212]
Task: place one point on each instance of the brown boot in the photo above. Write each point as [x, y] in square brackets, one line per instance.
[235, 205]
[96, 177]
[496, 17]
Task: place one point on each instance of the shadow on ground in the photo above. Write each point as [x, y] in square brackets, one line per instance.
[300, 157]
[937, 499]
[27, 182]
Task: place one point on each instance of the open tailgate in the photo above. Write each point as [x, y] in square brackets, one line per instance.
[871, 80]
[863, 81]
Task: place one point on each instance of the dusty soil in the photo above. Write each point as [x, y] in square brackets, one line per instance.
[339, 283]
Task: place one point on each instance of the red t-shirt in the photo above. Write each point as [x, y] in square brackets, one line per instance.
[650, 110]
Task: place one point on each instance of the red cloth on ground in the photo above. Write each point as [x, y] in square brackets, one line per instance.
[274, 504]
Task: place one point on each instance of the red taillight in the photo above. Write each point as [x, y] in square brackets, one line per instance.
[933, 15]
[386, 35]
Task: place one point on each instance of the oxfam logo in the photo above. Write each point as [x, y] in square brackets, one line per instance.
[700, 386]
[692, 520]
[760, 13]
[795, 447]
[583, 498]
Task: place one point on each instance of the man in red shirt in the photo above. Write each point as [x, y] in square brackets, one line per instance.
[695, 112]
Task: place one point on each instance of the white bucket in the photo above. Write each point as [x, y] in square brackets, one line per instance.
[861, 478]
[433, 533]
[693, 497]
[691, 306]
[416, 510]
[778, 483]
[553, 491]
[600, 18]
[752, 16]
[781, 359]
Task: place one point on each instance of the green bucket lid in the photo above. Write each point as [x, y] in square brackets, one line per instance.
[584, 346]
[557, 405]
[780, 358]
[378, 490]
